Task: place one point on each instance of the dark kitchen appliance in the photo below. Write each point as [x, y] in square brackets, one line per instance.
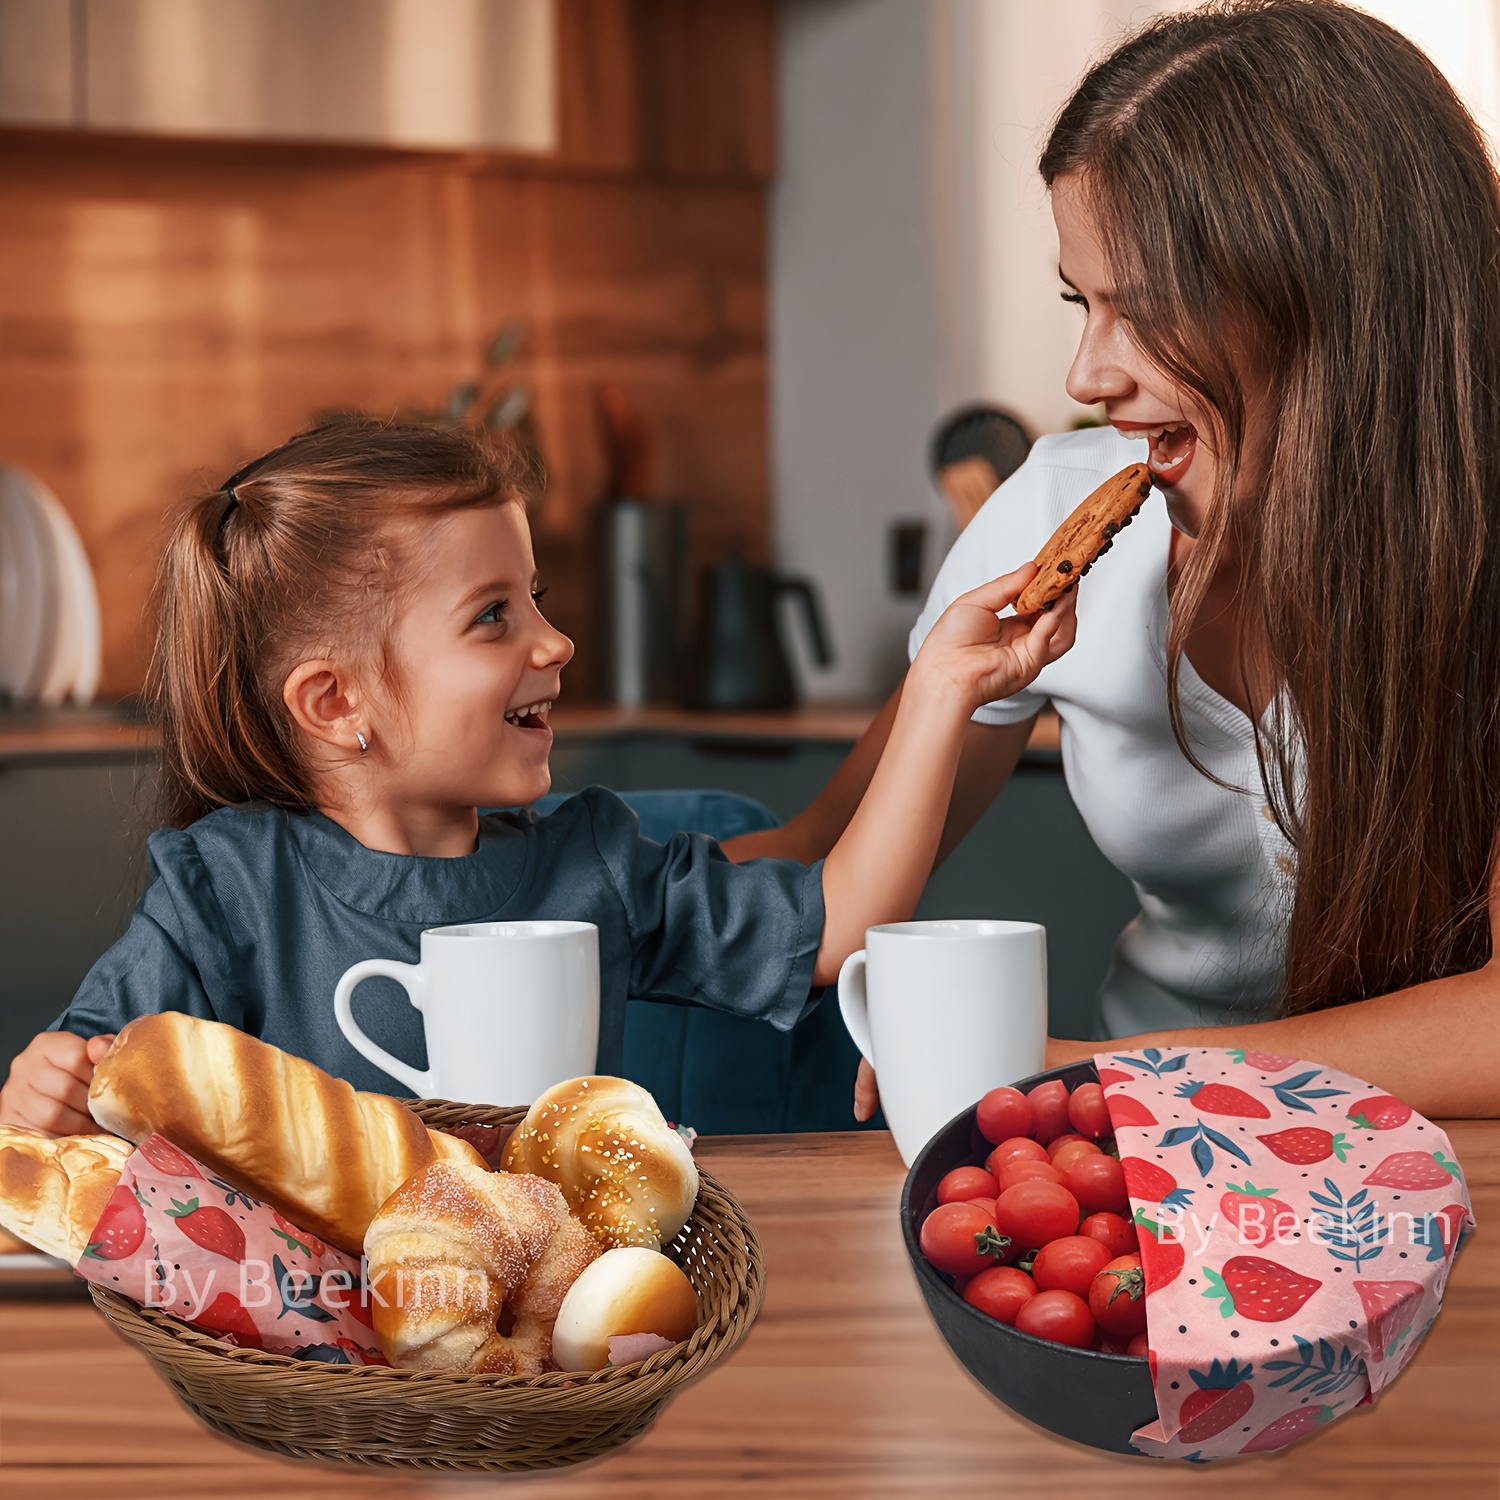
[644, 546]
[645, 557]
[739, 659]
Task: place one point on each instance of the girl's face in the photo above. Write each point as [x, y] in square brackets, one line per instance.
[1138, 399]
[479, 669]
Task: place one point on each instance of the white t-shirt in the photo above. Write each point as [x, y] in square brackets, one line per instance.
[1213, 872]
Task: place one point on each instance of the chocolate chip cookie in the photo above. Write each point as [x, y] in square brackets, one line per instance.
[1084, 537]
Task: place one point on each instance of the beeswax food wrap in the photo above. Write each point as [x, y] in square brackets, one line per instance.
[175, 1237]
[1297, 1227]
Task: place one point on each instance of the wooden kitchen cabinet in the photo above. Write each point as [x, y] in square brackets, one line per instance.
[374, 72]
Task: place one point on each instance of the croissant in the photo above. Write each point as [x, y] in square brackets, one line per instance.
[624, 1171]
[53, 1190]
[467, 1269]
[270, 1123]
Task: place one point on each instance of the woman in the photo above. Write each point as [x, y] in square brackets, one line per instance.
[1282, 716]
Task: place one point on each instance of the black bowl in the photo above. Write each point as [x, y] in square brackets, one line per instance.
[1093, 1398]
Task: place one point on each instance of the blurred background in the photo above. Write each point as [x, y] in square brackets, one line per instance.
[769, 285]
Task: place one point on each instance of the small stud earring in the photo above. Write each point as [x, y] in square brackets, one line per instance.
[364, 744]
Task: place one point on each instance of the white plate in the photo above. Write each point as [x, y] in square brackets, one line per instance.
[62, 662]
[14, 642]
[29, 589]
[91, 647]
[76, 652]
[30, 1275]
[32, 1260]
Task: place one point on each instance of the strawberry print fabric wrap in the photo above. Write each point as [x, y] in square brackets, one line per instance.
[1297, 1227]
[175, 1237]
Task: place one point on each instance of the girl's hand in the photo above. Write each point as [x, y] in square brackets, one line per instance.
[48, 1087]
[866, 1094]
[979, 656]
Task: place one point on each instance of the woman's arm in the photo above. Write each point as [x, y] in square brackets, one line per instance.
[1435, 1046]
[989, 753]
[876, 871]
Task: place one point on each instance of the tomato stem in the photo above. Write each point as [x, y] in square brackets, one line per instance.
[989, 1241]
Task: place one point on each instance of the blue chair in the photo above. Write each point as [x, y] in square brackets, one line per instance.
[722, 1074]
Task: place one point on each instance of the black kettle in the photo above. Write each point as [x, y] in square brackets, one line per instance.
[738, 659]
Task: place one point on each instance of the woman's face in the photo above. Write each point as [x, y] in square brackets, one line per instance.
[1109, 370]
[479, 668]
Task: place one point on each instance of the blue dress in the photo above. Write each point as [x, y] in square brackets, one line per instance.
[252, 915]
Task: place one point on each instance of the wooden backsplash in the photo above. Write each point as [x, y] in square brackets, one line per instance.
[170, 309]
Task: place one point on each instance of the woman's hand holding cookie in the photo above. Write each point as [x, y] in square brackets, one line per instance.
[983, 656]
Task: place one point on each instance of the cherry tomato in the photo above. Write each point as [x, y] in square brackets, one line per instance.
[1087, 1112]
[1117, 1235]
[1060, 1316]
[1003, 1113]
[963, 1183]
[1018, 1147]
[987, 1204]
[1049, 1110]
[1138, 1346]
[1098, 1183]
[1117, 1297]
[1064, 1156]
[1032, 1213]
[1021, 1170]
[961, 1239]
[1070, 1264]
[1054, 1146]
[1110, 1343]
[1002, 1292]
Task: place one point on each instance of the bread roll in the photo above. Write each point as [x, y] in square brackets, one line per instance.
[624, 1171]
[459, 1254]
[53, 1190]
[625, 1291]
[272, 1124]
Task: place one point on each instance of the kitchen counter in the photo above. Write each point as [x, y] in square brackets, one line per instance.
[843, 1388]
[28, 732]
[102, 730]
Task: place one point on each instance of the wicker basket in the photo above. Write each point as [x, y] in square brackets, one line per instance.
[411, 1419]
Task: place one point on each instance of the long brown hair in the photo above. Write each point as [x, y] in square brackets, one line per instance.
[1291, 186]
[299, 553]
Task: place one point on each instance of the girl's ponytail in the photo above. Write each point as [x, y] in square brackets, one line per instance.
[218, 745]
[291, 558]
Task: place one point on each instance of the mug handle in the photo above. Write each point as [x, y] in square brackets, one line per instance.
[854, 1004]
[411, 978]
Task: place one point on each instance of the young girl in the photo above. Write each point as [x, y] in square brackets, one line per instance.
[351, 661]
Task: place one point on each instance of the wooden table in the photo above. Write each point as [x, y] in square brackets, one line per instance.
[843, 1388]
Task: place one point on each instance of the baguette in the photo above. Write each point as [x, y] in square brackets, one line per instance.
[54, 1189]
[271, 1124]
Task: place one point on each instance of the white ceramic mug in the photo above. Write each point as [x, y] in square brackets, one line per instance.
[508, 1009]
[944, 1012]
